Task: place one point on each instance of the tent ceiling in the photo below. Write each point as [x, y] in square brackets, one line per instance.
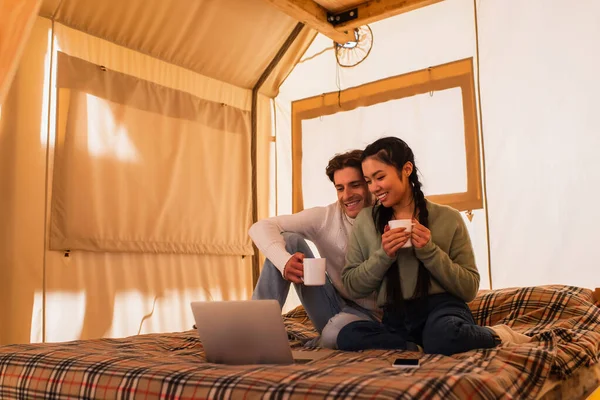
[230, 40]
[317, 13]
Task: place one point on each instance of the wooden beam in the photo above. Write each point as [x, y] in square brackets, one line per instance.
[253, 142]
[376, 10]
[314, 16]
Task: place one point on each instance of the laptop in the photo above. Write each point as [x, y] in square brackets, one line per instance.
[246, 332]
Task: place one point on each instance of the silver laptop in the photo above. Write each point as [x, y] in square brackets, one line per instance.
[246, 332]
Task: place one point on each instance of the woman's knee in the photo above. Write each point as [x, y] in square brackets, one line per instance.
[443, 337]
[448, 330]
[357, 335]
[445, 345]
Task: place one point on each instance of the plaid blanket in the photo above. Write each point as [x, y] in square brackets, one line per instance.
[563, 321]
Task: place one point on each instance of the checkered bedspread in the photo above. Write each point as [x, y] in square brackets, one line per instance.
[563, 321]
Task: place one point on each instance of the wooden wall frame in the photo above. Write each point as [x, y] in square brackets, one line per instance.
[457, 74]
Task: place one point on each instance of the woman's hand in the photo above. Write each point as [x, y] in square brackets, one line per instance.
[393, 239]
[421, 235]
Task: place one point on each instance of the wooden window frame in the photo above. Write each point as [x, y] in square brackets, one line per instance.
[457, 74]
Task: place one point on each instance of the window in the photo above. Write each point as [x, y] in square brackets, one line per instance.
[433, 109]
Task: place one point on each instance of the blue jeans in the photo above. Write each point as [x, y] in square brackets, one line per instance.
[440, 323]
[323, 304]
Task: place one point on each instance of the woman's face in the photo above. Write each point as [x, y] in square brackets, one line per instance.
[384, 181]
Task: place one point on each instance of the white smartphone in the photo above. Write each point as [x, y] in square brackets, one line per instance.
[406, 363]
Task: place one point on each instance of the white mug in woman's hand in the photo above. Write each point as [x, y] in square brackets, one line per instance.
[402, 223]
[314, 271]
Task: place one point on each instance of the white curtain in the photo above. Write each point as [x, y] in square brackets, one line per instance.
[142, 167]
[45, 295]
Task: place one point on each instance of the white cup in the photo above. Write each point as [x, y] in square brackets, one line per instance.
[314, 271]
[403, 223]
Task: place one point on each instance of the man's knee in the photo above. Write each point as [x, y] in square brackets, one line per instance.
[330, 333]
[295, 243]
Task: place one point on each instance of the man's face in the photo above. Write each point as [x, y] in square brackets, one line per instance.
[352, 190]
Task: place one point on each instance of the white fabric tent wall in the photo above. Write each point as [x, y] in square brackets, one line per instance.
[429, 36]
[47, 296]
[16, 22]
[224, 39]
[539, 91]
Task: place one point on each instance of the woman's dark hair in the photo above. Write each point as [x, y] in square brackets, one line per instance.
[395, 152]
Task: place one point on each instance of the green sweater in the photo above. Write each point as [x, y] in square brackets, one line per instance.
[448, 256]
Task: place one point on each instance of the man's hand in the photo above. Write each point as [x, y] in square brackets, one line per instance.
[294, 268]
[393, 239]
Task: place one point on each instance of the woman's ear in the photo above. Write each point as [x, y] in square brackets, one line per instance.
[407, 169]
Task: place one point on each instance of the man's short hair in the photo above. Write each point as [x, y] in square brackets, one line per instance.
[344, 160]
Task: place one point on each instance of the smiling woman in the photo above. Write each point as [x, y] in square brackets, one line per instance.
[423, 288]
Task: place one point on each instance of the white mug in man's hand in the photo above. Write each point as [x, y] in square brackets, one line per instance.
[403, 223]
[314, 271]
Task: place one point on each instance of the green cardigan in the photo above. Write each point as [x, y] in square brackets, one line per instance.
[448, 256]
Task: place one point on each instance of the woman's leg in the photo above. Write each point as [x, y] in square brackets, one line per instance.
[450, 328]
[363, 335]
[350, 313]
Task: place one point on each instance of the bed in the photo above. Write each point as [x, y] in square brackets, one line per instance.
[561, 362]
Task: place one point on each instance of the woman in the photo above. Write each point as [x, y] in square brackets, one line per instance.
[423, 288]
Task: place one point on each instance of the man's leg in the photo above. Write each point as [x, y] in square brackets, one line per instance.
[320, 302]
[271, 285]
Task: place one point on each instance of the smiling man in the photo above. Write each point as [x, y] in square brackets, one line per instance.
[282, 240]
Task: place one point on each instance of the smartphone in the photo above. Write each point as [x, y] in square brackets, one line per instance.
[406, 363]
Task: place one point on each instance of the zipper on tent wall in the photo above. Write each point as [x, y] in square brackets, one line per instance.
[482, 145]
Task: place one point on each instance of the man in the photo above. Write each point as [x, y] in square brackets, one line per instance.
[282, 241]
